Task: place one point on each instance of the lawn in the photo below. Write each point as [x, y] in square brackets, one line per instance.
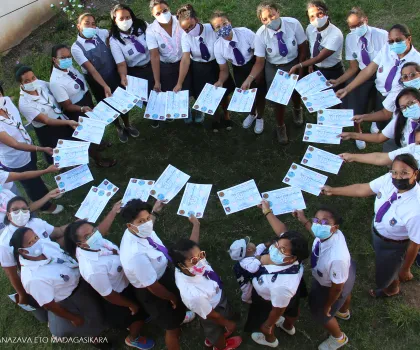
[224, 160]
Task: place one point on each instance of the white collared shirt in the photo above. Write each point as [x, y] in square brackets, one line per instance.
[389, 130]
[199, 294]
[390, 99]
[143, 265]
[103, 272]
[64, 88]
[332, 39]
[333, 264]
[282, 289]
[191, 44]
[386, 60]
[169, 47]
[376, 39]
[31, 106]
[266, 43]
[128, 53]
[402, 220]
[41, 228]
[9, 156]
[244, 39]
[412, 149]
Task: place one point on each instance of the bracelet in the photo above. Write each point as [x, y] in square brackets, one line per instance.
[301, 66]
[155, 214]
[251, 76]
[81, 109]
[267, 212]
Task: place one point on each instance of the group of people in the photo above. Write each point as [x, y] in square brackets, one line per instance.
[82, 283]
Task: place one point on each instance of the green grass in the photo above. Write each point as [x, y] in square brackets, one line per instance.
[225, 160]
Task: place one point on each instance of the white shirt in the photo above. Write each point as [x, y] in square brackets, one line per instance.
[402, 220]
[128, 53]
[4, 175]
[191, 44]
[5, 196]
[376, 39]
[385, 61]
[104, 273]
[77, 52]
[282, 289]
[389, 130]
[244, 39]
[199, 294]
[250, 264]
[31, 106]
[143, 265]
[41, 228]
[9, 156]
[332, 39]
[169, 47]
[65, 88]
[411, 149]
[389, 102]
[333, 264]
[266, 43]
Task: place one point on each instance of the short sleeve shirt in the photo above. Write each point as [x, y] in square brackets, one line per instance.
[389, 131]
[412, 149]
[192, 44]
[244, 39]
[64, 88]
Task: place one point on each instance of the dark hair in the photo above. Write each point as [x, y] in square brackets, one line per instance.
[186, 12]
[401, 120]
[139, 25]
[266, 5]
[83, 15]
[337, 218]
[319, 4]
[218, 14]
[409, 160]
[403, 29]
[9, 206]
[154, 3]
[357, 11]
[179, 250]
[410, 64]
[54, 51]
[1, 88]
[20, 70]
[299, 244]
[133, 208]
[16, 242]
[70, 236]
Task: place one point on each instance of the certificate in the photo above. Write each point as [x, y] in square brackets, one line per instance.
[73, 178]
[67, 143]
[137, 87]
[104, 113]
[322, 160]
[137, 189]
[209, 99]
[169, 184]
[282, 87]
[285, 200]
[336, 117]
[322, 134]
[194, 200]
[240, 197]
[108, 186]
[321, 100]
[90, 130]
[312, 83]
[177, 104]
[242, 100]
[125, 98]
[93, 205]
[71, 156]
[307, 180]
[155, 108]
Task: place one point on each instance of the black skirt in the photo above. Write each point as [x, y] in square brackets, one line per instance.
[160, 310]
[240, 73]
[85, 101]
[169, 73]
[143, 72]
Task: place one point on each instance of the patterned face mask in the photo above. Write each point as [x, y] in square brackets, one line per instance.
[224, 31]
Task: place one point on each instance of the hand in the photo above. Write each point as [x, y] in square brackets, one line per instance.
[333, 82]
[73, 124]
[327, 190]
[22, 299]
[194, 220]
[124, 81]
[218, 84]
[246, 84]
[157, 208]
[300, 215]
[47, 150]
[347, 157]
[346, 135]
[52, 169]
[264, 205]
[327, 311]
[85, 109]
[157, 87]
[174, 301]
[178, 87]
[116, 208]
[54, 193]
[107, 91]
[230, 326]
[294, 69]
[77, 321]
[405, 275]
[134, 308]
[311, 69]
[341, 93]
[358, 118]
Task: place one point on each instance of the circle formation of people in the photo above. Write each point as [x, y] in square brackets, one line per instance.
[82, 283]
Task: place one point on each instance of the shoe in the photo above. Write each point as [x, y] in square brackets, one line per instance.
[298, 116]
[207, 343]
[332, 343]
[279, 324]
[170, 120]
[58, 209]
[374, 128]
[282, 135]
[188, 120]
[122, 135]
[140, 343]
[132, 131]
[189, 316]
[155, 124]
[248, 121]
[215, 126]
[259, 338]
[228, 125]
[259, 126]
[199, 118]
[360, 144]
[418, 260]
[343, 315]
[231, 343]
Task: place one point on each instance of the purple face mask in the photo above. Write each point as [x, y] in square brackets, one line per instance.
[195, 31]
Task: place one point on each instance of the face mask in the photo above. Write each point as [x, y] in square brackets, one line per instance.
[403, 184]
[164, 18]
[224, 32]
[65, 63]
[95, 241]
[321, 231]
[276, 256]
[21, 218]
[362, 30]
[31, 86]
[145, 230]
[412, 112]
[35, 250]
[398, 48]
[319, 22]
[199, 268]
[415, 83]
[125, 25]
[195, 31]
[274, 24]
[89, 32]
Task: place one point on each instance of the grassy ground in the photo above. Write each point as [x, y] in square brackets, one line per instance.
[225, 160]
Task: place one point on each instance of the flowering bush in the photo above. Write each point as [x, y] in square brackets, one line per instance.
[72, 8]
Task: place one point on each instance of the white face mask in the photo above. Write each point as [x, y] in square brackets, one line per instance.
[125, 25]
[31, 86]
[319, 22]
[144, 230]
[199, 268]
[33, 251]
[21, 218]
[95, 241]
[164, 18]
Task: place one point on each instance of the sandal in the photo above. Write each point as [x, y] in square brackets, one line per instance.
[105, 163]
[379, 293]
[103, 146]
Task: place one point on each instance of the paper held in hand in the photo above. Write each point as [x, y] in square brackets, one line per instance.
[155, 108]
[137, 87]
[137, 189]
[242, 100]
[93, 205]
[194, 200]
[307, 180]
[122, 101]
[336, 117]
[103, 113]
[321, 100]
[282, 87]
[209, 99]
[71, 156]
[312, 83]
[108, 186]
[177, 104]
[90, 130]
[240, 197]
[322, 134]
[322, 160]
[169, 184]
[285, 200]
[73, 178]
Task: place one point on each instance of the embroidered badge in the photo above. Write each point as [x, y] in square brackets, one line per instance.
[45, 234]
[131, 52]
[392, 222]
[119, 268]
[319, 273]
[76, 86]
[162, 46]
[381, 69]
[66, 278]
[354, 55]
[260, 281]
[269, 50]
[379, 195]
[294, 42]
[334, 275]
[60, 261]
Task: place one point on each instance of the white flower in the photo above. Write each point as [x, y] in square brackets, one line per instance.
[65, 9]
[52, 5]
[79, 6]
[61, 3]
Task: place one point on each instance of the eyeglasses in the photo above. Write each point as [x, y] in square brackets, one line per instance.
[412, 75]
[195, 259]
[23, 210]
[402, 174]
[409, 104]
[321, 222]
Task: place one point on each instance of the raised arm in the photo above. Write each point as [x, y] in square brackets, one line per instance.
[98, 78]
[195, 234]
[379, 116]
[223, 75]
[106, 223]
[376, 158]
[349, 73]
[43, 118]
[26, 175]
[257, 68]
[34, 206]
[356, 190]
[15, 281]
[371, 138]
[278, 226]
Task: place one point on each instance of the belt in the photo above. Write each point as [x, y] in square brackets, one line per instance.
[375, 231]
[286, 64]
[144, 66]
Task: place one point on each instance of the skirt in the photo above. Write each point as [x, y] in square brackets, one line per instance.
[240, 73]
[363, 98]
[85, 101]
[389, 257]
[84, 301]
[143, 72]
[160, 310]
[169, 73]
[318, 296]
[270, 70]
[97, 90]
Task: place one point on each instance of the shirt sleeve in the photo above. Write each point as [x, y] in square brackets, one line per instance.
[379, 57]
[78, 54]
[335, 42]
[116, 51]
[47, 227]
[413, 228]
[376, 185]
[103, 34]
[389, 102]
[280, 297]
[143, 271]
[389, 130]
[185, 43]
[339, 272]
[151, 39]
[28, 111]
[259, 46]
[251, 38]
[59, 92]
[349, 54]
[6, 257]
[4, 175]
[101, 283]
[300, 33]
[253, 265]
[41, 291]
[218, 53]
[399, 151]
[198, 304]
[260, 249]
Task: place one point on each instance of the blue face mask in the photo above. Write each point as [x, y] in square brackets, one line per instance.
[276, 256]
[89, 32]
[362, 30]
[66, 63]
[321, 231]
[415, 83]
[224, 31]
[412, 112]
[398, 48]
[274, 24]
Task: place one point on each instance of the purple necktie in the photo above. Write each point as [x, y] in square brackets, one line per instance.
[282, 45]
[205, 54]
[159, 247]
[139, 47]
[240, 60]
[365, 55]
[391, 76]
[412, 137]
[385, 207]
[317, 44]
[315, 254]
[77, 80]
[90, 41]
[211, 275]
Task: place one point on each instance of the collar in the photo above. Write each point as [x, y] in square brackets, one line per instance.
[368, 34]
[140, 241]
[158, 28]
[83, 40]
[87, 254]
[234, 38]
[329, 242]
[282, 28]
[127, 36]
[32, 264]
[276, 268]
[191, 279]
[324, 32]
[59, 73]
[27, 96]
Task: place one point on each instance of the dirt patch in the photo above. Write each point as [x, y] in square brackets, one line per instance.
[411, 294]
